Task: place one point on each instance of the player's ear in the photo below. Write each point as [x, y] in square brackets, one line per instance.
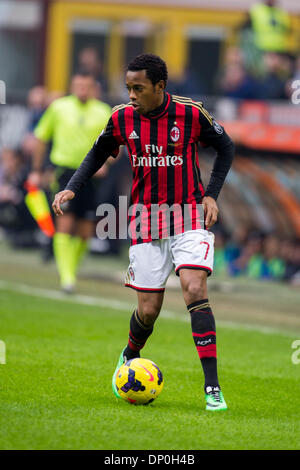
[160, 86]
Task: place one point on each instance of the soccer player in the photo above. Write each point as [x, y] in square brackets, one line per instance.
[161, 133]
[72, 124]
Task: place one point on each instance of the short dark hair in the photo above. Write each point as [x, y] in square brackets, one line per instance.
[155, 66]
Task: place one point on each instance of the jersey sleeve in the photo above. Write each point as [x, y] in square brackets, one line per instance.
[110, 138]
[45, 127]
[211, 132]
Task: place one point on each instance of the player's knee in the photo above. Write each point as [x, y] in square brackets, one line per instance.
[197, 288]
[148, 313]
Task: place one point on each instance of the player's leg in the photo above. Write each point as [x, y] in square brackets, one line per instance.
[193, 257]
[85, 207]
[149, 268]
[140, 328]
[63, 250]
[85, 229]
[83, 210]
[142, 322]
[194, 287]
[65, 226]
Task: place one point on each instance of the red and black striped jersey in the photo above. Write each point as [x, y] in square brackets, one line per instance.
[163, 152]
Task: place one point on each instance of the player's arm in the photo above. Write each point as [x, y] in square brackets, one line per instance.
[37, 156]
[213, 135]
[106, 145]
[43, 133]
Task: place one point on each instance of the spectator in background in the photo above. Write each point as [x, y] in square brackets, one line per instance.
[89, 61]
[14, 216]
[236, 83]
[295, 279]
[270, 25]
[261, 256]
[288, 249]
[296, 72]
[273, 266]
[295, 76]
[267, 28]
[250, 261]
[36, 104]
[277, 71]
[12, 173]
[188, 85]
[236, 243]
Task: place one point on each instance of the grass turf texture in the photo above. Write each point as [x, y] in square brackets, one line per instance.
[55, 390]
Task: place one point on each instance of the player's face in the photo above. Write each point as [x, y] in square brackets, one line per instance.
[144, 96]
[83, 87]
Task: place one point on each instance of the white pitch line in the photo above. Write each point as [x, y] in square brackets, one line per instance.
[57, 295]
[125, 306]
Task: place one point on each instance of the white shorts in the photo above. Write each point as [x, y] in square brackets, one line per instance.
[150, 264]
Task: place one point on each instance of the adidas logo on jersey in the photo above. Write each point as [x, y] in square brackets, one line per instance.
[133, 135]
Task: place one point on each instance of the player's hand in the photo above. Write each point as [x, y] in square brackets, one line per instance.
[61, 198]
[210, 211]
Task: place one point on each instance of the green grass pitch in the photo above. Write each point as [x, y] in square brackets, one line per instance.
[55, 388]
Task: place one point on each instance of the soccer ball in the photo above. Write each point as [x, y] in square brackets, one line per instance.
[139, 381]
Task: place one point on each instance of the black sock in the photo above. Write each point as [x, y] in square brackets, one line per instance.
[138, 335]
[204, 335]
[209, 365]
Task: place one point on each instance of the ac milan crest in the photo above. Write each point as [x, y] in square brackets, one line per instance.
[175, 134]
[131, 273]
